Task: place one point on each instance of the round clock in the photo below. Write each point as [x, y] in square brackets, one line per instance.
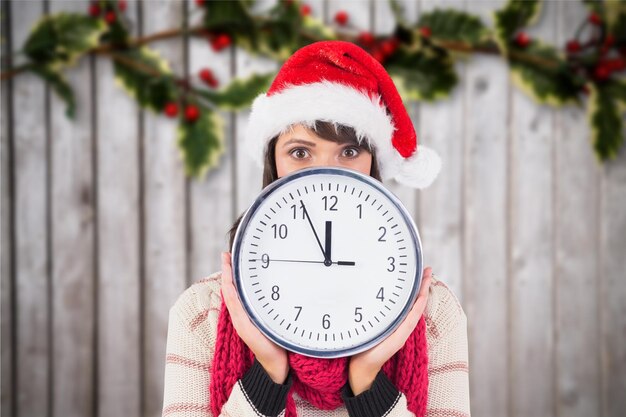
[327, 262]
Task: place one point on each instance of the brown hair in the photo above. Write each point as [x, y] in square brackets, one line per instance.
[337, 133]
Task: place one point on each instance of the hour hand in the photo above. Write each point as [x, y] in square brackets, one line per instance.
[327, 247]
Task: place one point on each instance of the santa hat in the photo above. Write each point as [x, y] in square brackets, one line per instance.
[339, 82]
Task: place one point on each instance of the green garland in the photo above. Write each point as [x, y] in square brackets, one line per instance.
[420, 58]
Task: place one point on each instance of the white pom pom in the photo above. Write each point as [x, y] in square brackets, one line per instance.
[421, 169]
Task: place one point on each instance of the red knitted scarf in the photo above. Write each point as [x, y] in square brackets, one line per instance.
[319, 381]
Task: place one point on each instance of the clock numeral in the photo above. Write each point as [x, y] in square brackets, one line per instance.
[295, 211]
[326, 321]
[381, 294]
[358, 315]
[382, 236]
[360, 207]
[275, 294]
[334, 200]
[392, 264]
[280, 231]
[265, 258]
[299, 308]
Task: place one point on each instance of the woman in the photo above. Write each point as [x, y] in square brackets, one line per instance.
[331, 104]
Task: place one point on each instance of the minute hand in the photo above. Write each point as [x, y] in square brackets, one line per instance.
[306, 213]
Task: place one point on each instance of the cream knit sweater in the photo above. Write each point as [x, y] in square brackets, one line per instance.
[191, 340]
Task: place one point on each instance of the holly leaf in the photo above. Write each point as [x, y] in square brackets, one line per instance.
[239, 93]
[454, 26]
[399, 13]
[542, 73]
[516, 14]
[59, 84]
[421, 75]
[616, 19]
[606, 118]
[145, 76]
[201, 143]
[618, 89]
[60, 38]
[278, 31]
[313, 30]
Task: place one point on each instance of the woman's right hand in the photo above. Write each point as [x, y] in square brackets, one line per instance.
[272, 357]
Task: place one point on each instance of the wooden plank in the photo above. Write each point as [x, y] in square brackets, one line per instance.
[7, 300]
[32, 393]
[485, 218]
[613, 284]
[73, 223]
[442, 204]
[530, 258]
[211, 198]
[164, 210]
[248, 174]
[117, 153]
[576, 208]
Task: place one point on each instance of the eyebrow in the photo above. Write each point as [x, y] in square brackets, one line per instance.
[296, 140]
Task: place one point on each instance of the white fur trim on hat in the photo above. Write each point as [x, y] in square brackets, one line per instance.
[324, 100]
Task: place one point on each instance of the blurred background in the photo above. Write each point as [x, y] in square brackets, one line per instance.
[102, 229]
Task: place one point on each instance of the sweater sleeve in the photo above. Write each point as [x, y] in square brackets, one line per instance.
[448, 365]
[188, 371]
[381, 397]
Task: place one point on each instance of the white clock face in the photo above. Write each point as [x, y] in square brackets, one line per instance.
[327, 262]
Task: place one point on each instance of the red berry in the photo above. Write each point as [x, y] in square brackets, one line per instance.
[207, 76]
[602, 71]
[425, 31]
[595, 18]
[200, 3]
[220, 41]
[379, 55]
[341, 17]
[573, 46]
[305, 10]
[616, 64]
[609, 40]
[389, 46]
[94, 10]
[522, 39]
[171, 109]
[110, 17]
[366, 39]
[191, 113]
[122, 5]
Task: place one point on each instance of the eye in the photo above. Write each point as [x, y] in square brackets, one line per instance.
[351, 152]
[299, 153]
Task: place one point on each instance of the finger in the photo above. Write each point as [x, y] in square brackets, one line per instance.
[231, 298]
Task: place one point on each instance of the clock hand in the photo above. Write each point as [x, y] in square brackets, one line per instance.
[342, 263]
[306, 213]
[329, 229]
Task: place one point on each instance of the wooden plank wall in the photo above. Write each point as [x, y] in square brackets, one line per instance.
[101, 230]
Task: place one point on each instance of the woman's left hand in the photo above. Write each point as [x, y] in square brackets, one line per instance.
[365, 366]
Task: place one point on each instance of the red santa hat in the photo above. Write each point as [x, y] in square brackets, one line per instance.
[339, 82]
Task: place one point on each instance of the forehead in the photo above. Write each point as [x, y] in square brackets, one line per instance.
[305, 133]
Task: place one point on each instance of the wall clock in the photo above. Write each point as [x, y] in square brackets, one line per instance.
[327, 262]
